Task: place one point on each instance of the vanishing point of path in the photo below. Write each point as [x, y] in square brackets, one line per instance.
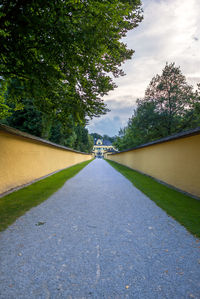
[98, 237]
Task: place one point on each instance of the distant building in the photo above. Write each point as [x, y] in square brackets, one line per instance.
[102, 146]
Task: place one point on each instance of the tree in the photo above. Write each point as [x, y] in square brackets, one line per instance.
[145, 125]
[171, 95]
[84, 142]
[96, 136]
[27, 120]
[106, 137]
[32, 121]
[192, 116]
[169, 106]
[62, 52]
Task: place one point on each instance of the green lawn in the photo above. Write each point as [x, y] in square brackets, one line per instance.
[17, 203]
[183, 208]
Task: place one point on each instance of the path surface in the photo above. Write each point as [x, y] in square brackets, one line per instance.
[101, 238]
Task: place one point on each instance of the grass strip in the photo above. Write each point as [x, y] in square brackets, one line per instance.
[183, 208]
[19, 202]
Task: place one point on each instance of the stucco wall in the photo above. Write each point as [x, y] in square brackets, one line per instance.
[175, 162]
[23, 159]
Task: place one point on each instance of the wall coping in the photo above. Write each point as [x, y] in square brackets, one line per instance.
[183, 134]
[25, 135]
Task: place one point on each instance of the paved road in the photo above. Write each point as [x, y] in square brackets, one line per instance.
[99, 237]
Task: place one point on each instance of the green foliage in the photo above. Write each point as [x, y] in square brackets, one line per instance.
[4, 108]
[171, 95]
[192, 116]
[69, 134]
[83, 142]
[170, 106]
[62, 53]
[27, 120]
[111, 139]
[17, 203]
[96, 136]
[183, 208]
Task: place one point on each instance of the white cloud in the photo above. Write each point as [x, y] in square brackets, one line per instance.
[108, 126]
[117, 118]
[170, 32]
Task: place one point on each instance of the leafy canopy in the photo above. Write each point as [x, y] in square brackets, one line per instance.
[32, 121]
[62, 54]
[169, 106]
[171, 95]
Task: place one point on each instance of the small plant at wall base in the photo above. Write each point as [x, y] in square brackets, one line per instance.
[183, 208]
[19, 202]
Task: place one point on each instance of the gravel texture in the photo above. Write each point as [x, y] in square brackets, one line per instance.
[98, 237]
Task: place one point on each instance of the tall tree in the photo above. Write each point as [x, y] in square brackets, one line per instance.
[171, 95]
[32, 121]
[62, 52]
[169, 106]
[192, 115]
[27, 120]
[96, 136]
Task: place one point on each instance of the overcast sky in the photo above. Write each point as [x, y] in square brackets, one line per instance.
[169, 32]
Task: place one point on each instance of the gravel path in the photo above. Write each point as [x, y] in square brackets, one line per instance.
[98, 237]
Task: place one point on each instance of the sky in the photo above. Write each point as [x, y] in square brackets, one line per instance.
[169, 32]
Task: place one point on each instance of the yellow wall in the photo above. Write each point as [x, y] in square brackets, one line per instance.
[23, 160]
[175, 162]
